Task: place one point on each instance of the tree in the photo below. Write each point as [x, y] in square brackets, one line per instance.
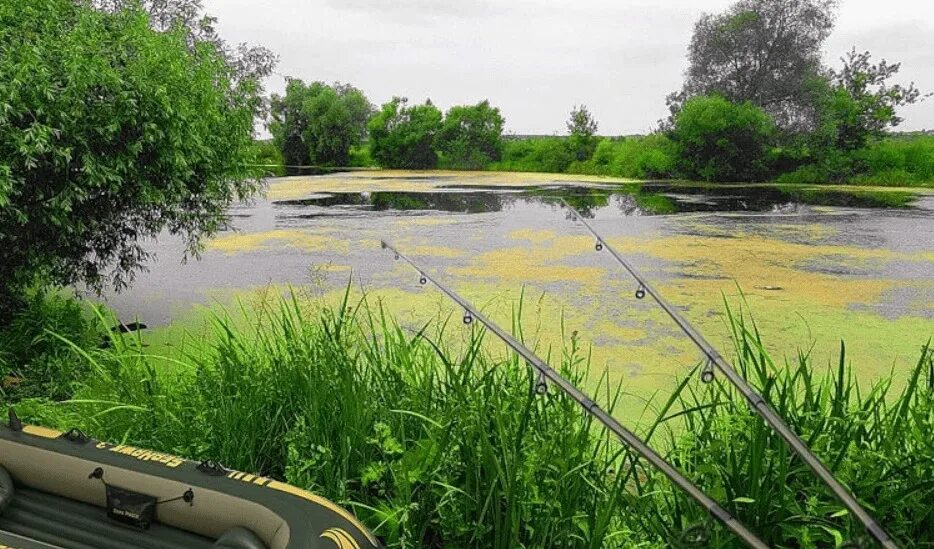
[471, 136]
[337, 118]
[767, 52]
[582, 128]
[187, 16]
[403, 136]
[319, 123]
[111, 132]
[289, 122]
[717, 140]
[861, 102]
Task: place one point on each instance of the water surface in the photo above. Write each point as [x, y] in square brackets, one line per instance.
[813, 265]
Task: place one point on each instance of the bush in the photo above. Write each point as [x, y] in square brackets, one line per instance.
[651, 156]
[898, 161]
[536, 154]
[36, 358]
[895, 161]
[717, 140]
[360, 157]
[267, 159]
[403, 136]
[470, 137]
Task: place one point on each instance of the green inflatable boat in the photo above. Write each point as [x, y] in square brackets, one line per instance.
[65, 490]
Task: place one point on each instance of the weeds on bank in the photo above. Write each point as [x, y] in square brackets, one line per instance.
[437, 445]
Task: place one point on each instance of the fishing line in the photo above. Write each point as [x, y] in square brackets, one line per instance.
[630, 439]
[755, 400]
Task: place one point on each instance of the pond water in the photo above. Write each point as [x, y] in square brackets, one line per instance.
[813, 265]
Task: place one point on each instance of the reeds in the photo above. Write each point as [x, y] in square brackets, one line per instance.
[434, 444]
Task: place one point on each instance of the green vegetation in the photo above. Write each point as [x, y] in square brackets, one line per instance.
[716, 140]
[539, 154]
[906, 161]
[318, 124]
[430, 444]
[470, 138]
[37, 358]
[649, 157]
[267, 159]
[403, 136]
[110, 132]
[757, 104]
[123, 119]
[582, 132]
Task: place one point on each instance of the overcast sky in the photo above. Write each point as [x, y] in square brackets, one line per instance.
[535, 59]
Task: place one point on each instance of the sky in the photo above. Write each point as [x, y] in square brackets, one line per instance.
[536, 59]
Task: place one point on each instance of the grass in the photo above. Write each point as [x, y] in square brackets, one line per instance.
[434, 440]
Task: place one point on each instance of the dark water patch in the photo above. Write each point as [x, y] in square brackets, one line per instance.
[620, 201]
[381, 201]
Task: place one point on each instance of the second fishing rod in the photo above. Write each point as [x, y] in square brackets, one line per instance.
[628, 438]
[756, 402]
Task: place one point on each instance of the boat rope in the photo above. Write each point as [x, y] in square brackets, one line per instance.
[755, 400]
[590, 407]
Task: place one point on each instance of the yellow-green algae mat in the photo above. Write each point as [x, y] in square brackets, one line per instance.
[795, 308]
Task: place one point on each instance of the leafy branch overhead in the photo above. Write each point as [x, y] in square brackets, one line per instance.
[116, 124]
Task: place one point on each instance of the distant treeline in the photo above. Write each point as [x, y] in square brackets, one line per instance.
[757, 104]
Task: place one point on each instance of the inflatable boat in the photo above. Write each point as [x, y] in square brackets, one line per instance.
[66, 490]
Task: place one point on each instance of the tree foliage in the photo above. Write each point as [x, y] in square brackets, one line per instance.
[861, 103]
[766, 52]
[110, 132]
[248, 62]
[318, 123]
[535, 154]
[471, 136]
[718, 140]
[582, 127]
[403, 137]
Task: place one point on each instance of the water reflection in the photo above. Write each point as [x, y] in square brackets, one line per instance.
[622, 201]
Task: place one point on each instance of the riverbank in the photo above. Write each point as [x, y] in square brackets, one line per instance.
[430, 439]
[900, 160]
[846, 260]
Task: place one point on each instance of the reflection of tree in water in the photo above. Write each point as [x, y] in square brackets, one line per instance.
[587, 204]
[446, 202]
[630, 200]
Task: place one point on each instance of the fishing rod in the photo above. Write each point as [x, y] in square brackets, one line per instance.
[590, 407]
[755, 400]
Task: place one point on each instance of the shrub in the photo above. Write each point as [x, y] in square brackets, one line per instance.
[717, 140]
[403, 136]
[895, 161]
[267, 159]
[36, 358]
[470, 137]
[651, 156]
[536, 154]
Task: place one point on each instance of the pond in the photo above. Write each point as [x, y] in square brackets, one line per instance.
[812, 265]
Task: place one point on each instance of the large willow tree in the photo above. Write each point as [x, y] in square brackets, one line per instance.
[116, 123]
[766, 52]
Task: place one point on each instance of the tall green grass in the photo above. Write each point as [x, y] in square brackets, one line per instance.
[33, 361]
[434, 440]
